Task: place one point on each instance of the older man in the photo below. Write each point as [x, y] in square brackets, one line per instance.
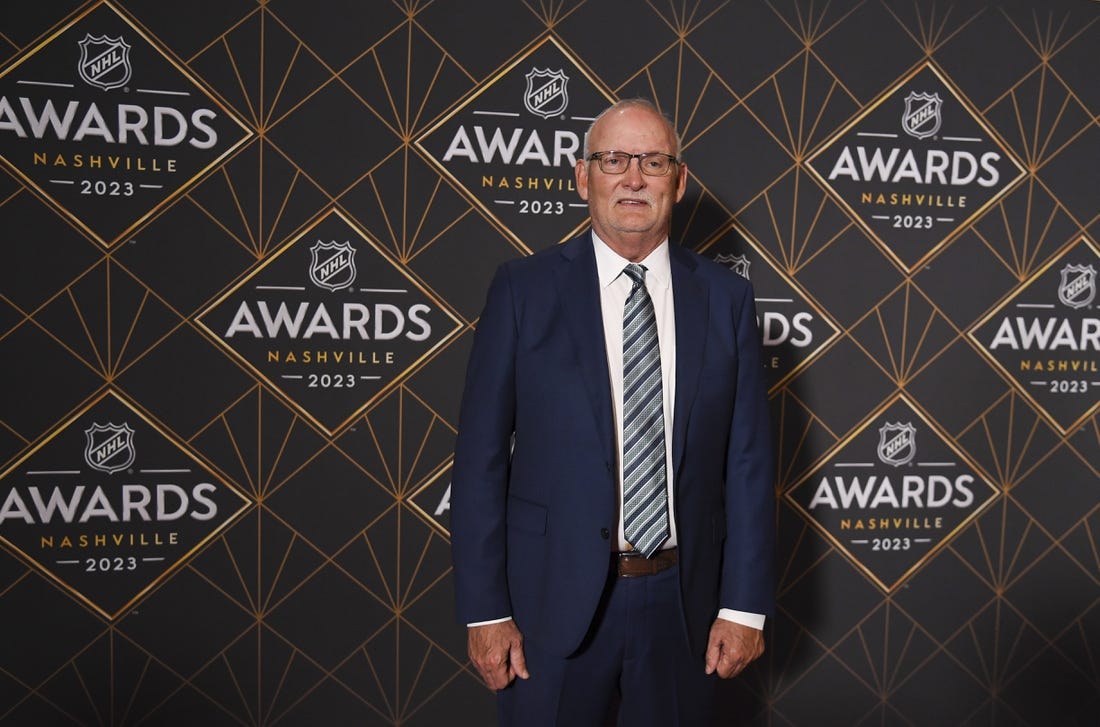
[613, 509]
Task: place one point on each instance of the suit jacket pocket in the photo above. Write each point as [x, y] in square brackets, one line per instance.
[527, 516]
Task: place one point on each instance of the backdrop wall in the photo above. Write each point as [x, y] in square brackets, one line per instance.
[246, 244]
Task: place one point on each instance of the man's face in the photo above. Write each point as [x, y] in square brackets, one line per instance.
[631, 211]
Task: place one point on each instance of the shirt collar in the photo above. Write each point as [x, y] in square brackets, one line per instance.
[609, 264]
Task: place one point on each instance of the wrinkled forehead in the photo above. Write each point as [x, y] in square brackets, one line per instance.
[632, 129]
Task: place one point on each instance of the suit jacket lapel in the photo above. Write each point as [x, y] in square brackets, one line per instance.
[689, 294]
[579, 295]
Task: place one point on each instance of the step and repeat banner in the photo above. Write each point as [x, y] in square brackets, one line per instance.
[245, 246]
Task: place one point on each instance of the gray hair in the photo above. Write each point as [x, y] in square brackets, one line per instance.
[637, 103]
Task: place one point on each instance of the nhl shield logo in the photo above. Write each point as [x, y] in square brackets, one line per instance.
[333, 265]
[546, 93]
[922, 114]
[109, 447]
[104, 61]
[739, 264]
[1078, 286]
[897, 443]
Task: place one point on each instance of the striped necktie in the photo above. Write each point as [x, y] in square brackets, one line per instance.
[645, 497]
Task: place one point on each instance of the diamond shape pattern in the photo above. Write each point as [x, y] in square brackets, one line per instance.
[328, 598]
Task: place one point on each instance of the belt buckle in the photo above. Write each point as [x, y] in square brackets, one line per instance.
[622, 563]
[642, 566]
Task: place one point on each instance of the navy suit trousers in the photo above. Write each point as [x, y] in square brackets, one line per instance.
[633, 668]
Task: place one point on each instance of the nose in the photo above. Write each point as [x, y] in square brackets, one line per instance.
[633, 176]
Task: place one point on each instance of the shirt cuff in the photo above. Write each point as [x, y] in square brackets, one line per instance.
[752, 620]
[494, 621]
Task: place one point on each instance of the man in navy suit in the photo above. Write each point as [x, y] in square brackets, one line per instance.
[548, 582]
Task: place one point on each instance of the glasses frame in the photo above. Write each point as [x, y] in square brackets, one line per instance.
[598, 157]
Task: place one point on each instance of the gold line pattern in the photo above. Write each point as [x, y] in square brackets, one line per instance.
[279, 618]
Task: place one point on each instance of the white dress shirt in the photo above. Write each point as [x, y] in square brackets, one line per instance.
[614, 289]
[615, 286]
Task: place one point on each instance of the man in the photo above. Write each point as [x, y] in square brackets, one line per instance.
[612, 492]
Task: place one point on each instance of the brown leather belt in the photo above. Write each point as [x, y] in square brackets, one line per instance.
[631, 563]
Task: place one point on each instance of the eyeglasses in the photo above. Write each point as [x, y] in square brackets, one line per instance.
[651, 163]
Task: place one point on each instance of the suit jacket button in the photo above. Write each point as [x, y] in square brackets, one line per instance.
[605, 533]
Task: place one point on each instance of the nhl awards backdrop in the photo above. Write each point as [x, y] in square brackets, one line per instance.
[246, 244]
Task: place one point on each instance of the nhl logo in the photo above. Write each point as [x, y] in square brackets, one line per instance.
[922, 115]
[546, 93]
[1078, 286]
[333, 265]
[104, 62]
[897, 443]
[739, 264]
[109, 447]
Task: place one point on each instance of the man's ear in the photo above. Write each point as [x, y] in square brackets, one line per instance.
[580, 172]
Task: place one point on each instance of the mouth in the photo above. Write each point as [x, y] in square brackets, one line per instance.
[632, 203]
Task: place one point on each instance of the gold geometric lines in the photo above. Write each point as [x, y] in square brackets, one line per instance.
[996, 645]
[802, 437]
[1086, 443]
[94, 674]
[1001, 545]
[260, 198]
[811, 22]
[802, 221]
[399, 671]
[258, 442]
[885, 649]
[930, 31]
[801, 104]
[1009, 441]
[267, 73]
[1030, 221]
[107, 319]
[1039, 116]
[406, 205]
[406, 80]
[264, 70]
[904, 334]
[553, 12]
[400, 561]
[259, 564]
[400, 443]
[1048, 36]
[686, 89]
[1048, 40]
[1082, 544]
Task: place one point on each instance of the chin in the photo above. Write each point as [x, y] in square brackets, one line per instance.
[635, 223]
[633, 229]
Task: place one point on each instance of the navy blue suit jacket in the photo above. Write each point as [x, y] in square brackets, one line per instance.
[534, 491]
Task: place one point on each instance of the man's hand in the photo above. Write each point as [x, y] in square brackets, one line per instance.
[732, 647]
[497, 652]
